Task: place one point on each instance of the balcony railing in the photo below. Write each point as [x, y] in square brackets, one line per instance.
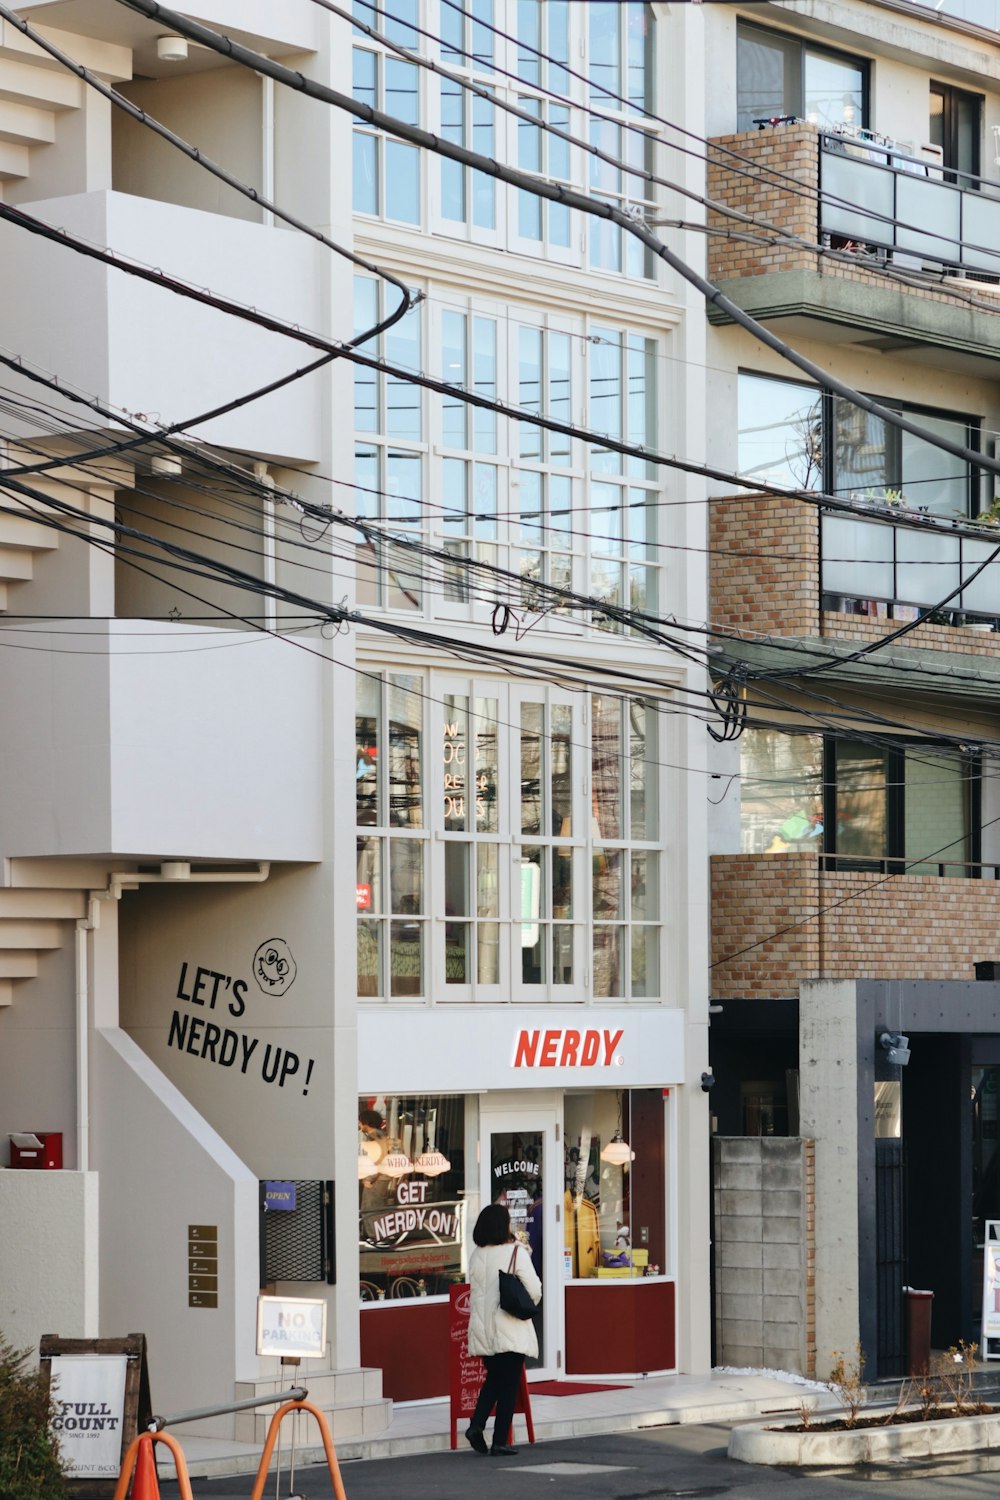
[872, 559]
[874, 194]
[951, 869]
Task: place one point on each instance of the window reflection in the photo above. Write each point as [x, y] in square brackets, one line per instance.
[411, 1222]
[614, 1215]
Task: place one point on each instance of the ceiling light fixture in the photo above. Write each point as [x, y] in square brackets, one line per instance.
[172, 48]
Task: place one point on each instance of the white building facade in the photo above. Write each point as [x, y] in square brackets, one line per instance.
[240, 947]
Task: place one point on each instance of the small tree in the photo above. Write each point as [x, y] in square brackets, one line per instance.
[30, 1464]
[956, 1371]
[847, 1385]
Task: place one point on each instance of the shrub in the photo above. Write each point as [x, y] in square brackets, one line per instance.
[30, 1465]
[847, 1384]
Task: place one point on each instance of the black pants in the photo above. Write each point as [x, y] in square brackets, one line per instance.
[503, 1376]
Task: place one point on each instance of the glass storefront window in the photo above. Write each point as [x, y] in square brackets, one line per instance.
[412, 1197]
[615, 1213]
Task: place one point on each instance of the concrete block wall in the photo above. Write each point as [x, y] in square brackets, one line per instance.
[872, 926]
[764, 1224]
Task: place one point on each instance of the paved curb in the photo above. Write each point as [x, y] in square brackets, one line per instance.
[760, 1443]
[356, 1449]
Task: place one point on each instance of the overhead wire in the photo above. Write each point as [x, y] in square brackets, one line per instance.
[252, 312]
[743, 163]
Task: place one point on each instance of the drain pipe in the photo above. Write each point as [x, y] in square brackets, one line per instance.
[84, 926]
[179, 872]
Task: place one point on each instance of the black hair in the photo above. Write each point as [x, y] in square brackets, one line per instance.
[371, 1118]
[492, 1226]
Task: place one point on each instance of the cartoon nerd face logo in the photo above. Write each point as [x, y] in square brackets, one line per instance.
[274, 967]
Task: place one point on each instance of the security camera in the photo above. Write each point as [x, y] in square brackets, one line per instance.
[897, 1048]
[707, 1081]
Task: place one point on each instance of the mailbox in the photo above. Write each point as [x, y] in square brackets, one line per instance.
[40, 1149]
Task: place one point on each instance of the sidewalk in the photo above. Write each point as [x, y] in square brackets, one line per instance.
[424, 1426]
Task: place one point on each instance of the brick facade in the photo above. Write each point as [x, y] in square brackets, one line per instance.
[764, 579]
[757, 172]
[812, 923]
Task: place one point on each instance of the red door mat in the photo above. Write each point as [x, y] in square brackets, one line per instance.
[570, 1388]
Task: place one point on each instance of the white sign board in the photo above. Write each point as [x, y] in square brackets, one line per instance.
[88, 1398]
[291, 1327]
[991, 1288]
[459, 1049]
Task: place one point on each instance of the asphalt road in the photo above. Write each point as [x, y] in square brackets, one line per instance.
[667, 1463]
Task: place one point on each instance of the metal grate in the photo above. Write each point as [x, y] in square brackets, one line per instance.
[298, 1245]
[890, 1256]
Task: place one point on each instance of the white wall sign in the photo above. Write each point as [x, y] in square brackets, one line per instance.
[291, 1327]
[456, 1049]
[88, 1398]
[991, 1287]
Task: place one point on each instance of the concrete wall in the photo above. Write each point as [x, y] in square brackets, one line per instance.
[828, 1114]
[764, 1189]
[163, 1169]
[48, 1256]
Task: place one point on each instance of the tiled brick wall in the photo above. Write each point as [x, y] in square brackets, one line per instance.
[756, 172]
[871, 927]
[763, 1229]
[787, 151]
[764, 565]
[764, 579]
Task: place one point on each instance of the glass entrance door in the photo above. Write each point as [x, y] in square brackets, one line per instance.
[518, 1157]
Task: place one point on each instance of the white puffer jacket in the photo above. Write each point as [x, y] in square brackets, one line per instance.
[491, 1330]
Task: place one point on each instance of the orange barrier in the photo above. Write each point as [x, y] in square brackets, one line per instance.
[272, 1437]
[139, 1458]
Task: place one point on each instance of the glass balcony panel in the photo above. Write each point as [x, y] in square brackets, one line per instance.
[920, 200]
[981, 227]
[982, 596]
[857, 558]
[926, 566]
[858, 186]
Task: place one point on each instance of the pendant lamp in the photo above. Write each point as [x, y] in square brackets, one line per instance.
[618, 1152]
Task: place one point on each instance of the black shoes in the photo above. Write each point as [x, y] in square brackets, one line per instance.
[476, 1437]
[502, 1448]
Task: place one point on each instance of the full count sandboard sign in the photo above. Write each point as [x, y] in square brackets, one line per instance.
[100, 1397]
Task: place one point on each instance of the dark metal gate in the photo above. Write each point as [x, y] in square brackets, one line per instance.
[890, 1257]
[299, 1245]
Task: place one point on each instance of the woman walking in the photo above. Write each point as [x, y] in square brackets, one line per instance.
[503, 1340]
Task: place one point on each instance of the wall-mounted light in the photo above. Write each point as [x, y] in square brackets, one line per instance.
[897, 1048]
[172, 48]
[707, 1081]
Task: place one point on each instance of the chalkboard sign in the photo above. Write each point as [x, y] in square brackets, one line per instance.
[100, 1395]
[467, 1370]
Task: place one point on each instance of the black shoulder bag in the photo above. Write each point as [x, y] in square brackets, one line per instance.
[514, 1296]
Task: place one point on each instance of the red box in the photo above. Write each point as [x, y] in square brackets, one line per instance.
[47, 1155]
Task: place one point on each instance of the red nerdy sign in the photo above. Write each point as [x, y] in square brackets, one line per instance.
[466, 1370]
